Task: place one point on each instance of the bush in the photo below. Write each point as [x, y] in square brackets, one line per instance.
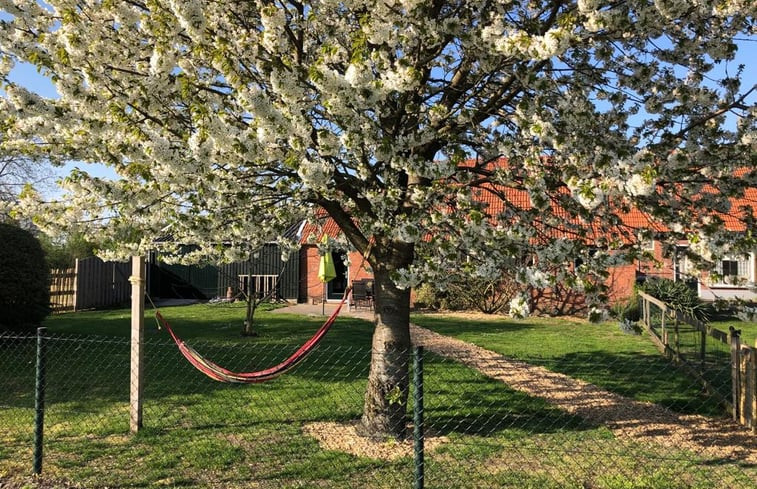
[24, 280]
[63, 254]
[628, 309]
[678, 295]
[426, 297]
[465, 292]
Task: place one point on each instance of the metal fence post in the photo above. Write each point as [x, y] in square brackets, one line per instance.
[418, 417]
[39, 399]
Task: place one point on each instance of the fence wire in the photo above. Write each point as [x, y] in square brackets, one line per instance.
[707, 355]
[490, 421]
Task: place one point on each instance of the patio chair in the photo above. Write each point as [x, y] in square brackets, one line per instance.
[362, 294]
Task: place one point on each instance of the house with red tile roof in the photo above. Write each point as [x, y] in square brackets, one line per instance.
[734, 278]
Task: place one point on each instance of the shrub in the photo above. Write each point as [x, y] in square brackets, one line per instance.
[426, 297]
[489, 296]
[678, 295]
[24, 280]
[465, 292]
[63, 254]
[628, 309]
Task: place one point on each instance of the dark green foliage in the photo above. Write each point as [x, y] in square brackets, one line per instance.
[63, 254]
[628, 313]
[24, 280]
[678, 295]
[633, 311]
[629, 309]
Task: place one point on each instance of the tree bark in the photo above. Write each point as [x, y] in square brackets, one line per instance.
[385, 408]
[252, 304]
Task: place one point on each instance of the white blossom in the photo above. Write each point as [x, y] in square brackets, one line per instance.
[519, 308]
[191, 16]
[439, 139]
[639, 185]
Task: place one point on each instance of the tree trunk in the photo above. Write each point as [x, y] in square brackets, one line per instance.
[385, 409]
[252, 304]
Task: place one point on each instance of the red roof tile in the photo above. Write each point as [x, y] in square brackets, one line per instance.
[497, 198]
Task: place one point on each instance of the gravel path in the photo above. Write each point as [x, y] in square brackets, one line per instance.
[640, 421]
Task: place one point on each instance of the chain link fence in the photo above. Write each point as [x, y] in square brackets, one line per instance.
[488, 421]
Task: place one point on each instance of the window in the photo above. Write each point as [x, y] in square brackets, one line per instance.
[730, 268]
[734, 270]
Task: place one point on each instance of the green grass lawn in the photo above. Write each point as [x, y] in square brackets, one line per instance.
[602, 354]
[200, 433]
[748, 329]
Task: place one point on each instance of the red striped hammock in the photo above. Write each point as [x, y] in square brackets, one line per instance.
[216, 372]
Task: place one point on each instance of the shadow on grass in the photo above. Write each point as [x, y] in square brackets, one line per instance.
[462, 401]
[94, 364]
[637, 376]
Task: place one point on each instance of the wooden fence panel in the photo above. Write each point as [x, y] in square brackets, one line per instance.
[91, 284]
[62, 289]
[102, 284]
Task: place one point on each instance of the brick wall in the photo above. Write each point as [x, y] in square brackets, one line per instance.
[620, 281]
[310, 287]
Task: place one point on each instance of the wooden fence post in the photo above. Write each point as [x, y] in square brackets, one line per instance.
[665, 341]
[753, 399]
[76, 285]
[746, 386]
[136, 377]
[676, 337]
[735, 342]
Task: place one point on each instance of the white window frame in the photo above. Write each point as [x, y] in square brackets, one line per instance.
[745, 271]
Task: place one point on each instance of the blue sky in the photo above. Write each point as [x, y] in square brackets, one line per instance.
[28, 76]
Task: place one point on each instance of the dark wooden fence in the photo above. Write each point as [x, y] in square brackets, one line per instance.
[705, 352]
[265, 263]
[92, 283]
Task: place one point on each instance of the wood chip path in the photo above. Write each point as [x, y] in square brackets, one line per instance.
[639, 421]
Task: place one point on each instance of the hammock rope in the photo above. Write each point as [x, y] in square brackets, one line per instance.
[221, 374]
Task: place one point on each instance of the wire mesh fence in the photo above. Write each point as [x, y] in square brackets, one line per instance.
[707, 353]
[488, 421]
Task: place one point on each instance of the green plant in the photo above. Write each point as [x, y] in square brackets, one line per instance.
[628, 309]
[24, 280]
[489, 296]
[426, 297]
[63, 253]
[678, 295]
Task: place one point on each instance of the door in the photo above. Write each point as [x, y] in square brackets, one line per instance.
[337, 286]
